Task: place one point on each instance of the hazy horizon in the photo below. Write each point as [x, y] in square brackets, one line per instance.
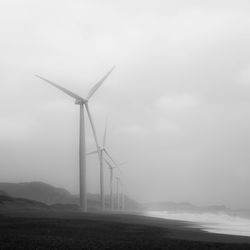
[178, 101]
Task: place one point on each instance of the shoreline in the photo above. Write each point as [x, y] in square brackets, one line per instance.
[218, 223]
[114, 231]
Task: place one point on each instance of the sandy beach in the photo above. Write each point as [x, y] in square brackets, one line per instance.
[53, 230]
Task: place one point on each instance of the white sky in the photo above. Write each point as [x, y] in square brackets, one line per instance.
[178, 101]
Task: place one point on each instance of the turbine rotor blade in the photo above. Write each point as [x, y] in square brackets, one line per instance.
[93, 152]
[93, 129]
[109, 156]
[66, 91]
[99, 83]
[105, 135]
[108, 163]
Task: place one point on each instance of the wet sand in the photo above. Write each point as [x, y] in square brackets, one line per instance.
[61, 230]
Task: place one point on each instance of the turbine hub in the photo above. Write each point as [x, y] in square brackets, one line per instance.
[80, 101]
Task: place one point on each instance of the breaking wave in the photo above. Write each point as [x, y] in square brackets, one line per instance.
[221, 222]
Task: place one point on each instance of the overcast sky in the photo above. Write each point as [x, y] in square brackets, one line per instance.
[178, 101]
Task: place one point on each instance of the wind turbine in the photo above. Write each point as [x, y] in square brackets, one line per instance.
[102, 150]
[111, 168]
[117, 193]
[82, 102]
[122, 196]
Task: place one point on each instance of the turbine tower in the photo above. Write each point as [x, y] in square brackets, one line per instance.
[122, 196]
[117, 194]
[102, 150]
[82, 102]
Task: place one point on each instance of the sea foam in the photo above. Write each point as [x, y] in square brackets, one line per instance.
[220, 222]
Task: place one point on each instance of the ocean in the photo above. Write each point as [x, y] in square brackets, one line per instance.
[219, 222]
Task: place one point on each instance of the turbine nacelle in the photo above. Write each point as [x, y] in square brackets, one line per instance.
[80, 101]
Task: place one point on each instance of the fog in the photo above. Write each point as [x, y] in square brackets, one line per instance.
[178, 101]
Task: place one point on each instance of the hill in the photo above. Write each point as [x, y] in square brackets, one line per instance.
[38, 191]
[58, 198]
[10, 203]
[183, 207]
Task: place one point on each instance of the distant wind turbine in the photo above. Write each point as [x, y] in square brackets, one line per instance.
[82, 144]
[102, 150]
[117, 193]
[120, 195]
[111, 168]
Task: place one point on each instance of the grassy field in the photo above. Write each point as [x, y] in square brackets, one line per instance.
[53, 230]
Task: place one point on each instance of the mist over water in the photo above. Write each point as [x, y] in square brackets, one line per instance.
[221, 222]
